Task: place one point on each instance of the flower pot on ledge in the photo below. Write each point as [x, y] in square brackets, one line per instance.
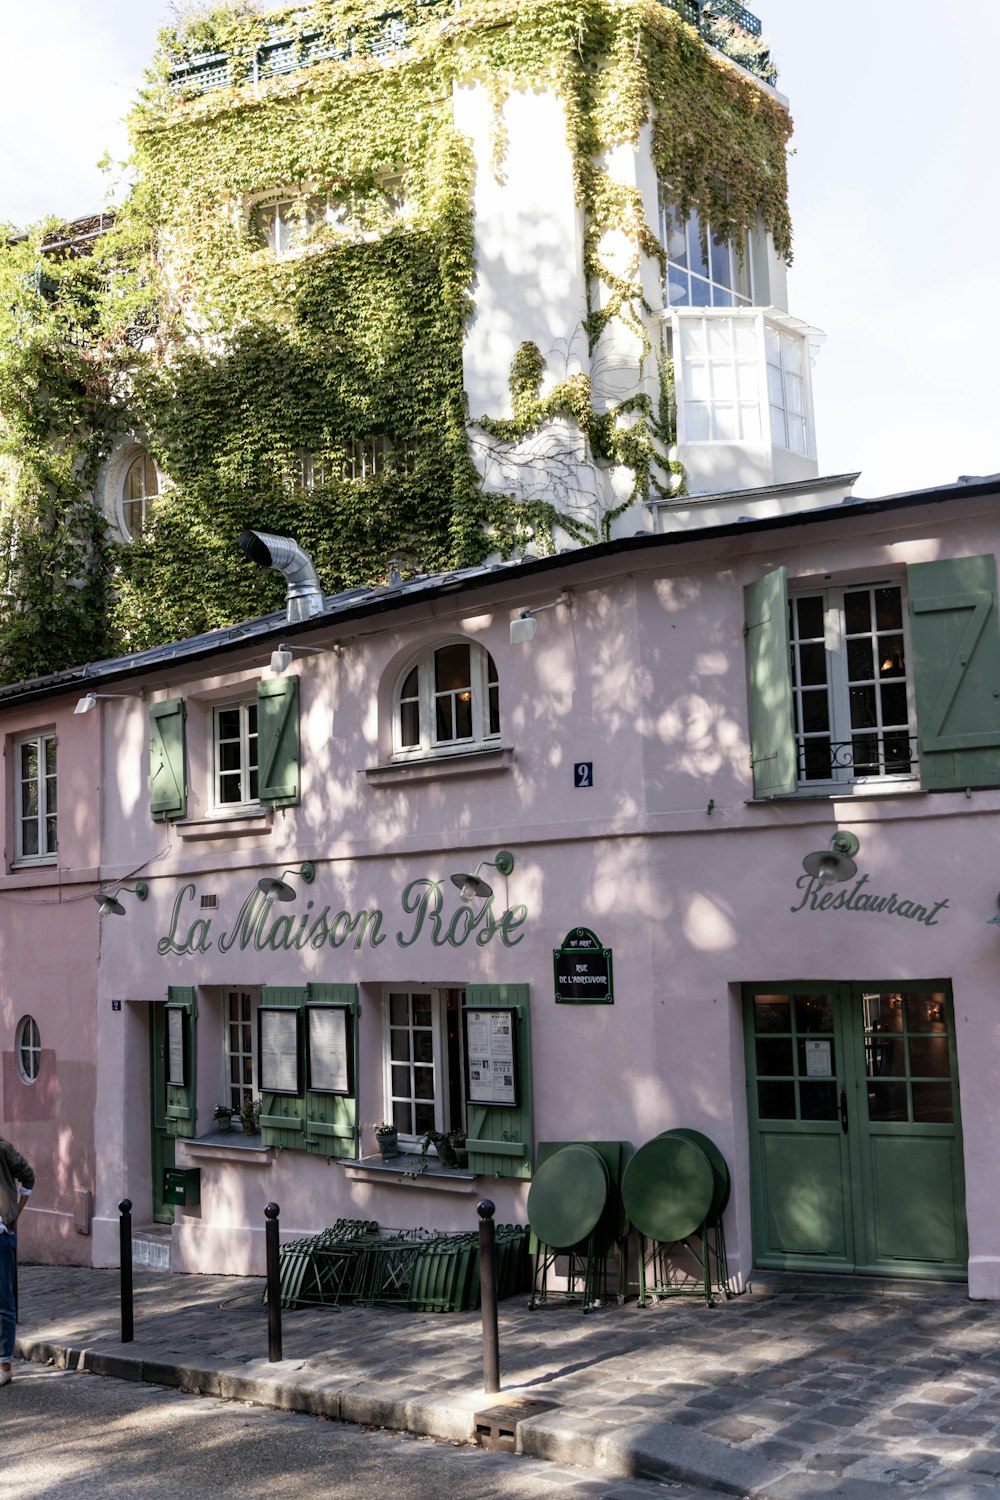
[388, 1142]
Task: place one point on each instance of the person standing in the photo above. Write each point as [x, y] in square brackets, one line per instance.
[17, 1179]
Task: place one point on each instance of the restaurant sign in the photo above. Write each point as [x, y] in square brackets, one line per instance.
[583, 970]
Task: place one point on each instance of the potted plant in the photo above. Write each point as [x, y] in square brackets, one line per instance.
[223, 1117]
[387, 1138]
[458, 1141]
[250, 1115]
[442, 1145]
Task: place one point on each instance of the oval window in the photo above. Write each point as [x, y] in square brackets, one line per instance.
[29, 1049]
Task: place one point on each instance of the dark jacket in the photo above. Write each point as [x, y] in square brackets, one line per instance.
[13, 1170]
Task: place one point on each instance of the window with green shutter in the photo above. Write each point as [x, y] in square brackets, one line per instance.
[181, 1057]
[499, 1138]
[278, 741]
[167, 760]
[322, 1116]
[873, 683]
[956, 647]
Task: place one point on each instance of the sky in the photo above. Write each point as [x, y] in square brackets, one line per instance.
[893, 193]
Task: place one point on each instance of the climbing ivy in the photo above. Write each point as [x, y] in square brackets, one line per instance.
[245, 362]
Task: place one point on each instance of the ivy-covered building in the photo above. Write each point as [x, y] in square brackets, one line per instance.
[419, 287]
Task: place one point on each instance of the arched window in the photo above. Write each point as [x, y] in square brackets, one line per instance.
[139, 489]
[28, 1047]
[447, 699]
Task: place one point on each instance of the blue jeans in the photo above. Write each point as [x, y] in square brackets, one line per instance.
[8, 1320]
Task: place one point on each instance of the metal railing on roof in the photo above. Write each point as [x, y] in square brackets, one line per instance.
[385, 35]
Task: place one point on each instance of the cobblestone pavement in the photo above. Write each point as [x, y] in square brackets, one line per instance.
[803, 1387]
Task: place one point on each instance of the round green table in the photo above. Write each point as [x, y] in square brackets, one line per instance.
[567, 1197]
[667, 1188]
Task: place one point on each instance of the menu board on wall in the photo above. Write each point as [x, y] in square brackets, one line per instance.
[328, 1049]
[176, 1052]
[491, 1055]
[278, 1049]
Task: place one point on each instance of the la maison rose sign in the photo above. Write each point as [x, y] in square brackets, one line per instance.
[262, 926]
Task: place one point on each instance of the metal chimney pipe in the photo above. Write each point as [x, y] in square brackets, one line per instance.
[304, 597]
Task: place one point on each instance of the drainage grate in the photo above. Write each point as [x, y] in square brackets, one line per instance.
[496, 1427]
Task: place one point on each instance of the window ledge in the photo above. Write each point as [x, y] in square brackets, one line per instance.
[432, 767]
[226, 825]
[230, 1147]
[846, 793]
[394, 1171]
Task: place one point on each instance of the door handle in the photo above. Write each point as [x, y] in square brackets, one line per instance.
[843, 1110]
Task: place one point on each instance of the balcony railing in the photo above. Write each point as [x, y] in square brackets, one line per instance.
[871, 752]
[388, 33]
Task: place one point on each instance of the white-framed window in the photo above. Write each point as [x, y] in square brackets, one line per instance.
[28, 1049]
[140, 487]
[786, 389]
[741, 377]
[447, 699]
[851, 687]
[234, 754]
[240, 1045]
[424, 1067]
[129, 486]
[716, 273]
[365, 458]
[35, 798]
[288, 222]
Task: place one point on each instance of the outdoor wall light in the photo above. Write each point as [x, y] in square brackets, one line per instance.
[525, 627]
[835, 863]
[89, 701]
[108, 904]
[279, 889]
[471, 888]
[281, 657]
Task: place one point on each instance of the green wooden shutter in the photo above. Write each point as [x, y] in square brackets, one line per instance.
[282, 1116]
[167, 768]
[773, 755]
[956, 671]
[181, 1115]
[332, 1119]
[278, 741]
[500, 1140]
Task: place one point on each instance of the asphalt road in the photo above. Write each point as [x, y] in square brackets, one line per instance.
[66, 1433]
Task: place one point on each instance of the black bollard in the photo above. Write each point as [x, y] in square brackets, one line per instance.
[125, 1261]
[488, 1296]
[273, 1284]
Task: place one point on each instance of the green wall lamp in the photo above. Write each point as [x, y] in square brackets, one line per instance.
[471, 888]
[835, 863]
[279, 889]
[108, 904]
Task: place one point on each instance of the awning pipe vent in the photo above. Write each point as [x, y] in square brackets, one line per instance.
[304, 597]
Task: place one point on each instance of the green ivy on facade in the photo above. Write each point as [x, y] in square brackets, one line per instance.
[181, 324]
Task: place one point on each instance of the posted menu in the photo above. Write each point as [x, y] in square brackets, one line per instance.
[491, 1056]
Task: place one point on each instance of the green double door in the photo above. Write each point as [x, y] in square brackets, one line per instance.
[855, 1129]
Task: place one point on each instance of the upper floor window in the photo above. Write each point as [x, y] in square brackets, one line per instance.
[35, 798]
[851, 691]
[448, 698]
[364, 458]
[288, 224]
[235, 755]
[139, 489]
[856, 686]
[702, 270]
[786, 389]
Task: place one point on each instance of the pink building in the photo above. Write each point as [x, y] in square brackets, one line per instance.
[728, 789]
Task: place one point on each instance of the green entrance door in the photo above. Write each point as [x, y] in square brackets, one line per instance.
[161, 1137]
[855, 1133]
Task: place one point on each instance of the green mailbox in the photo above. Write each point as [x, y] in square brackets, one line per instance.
[182, 1186]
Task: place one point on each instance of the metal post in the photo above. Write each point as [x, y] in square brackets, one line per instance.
[488, 1298]
[125, 1262]
[273, 1284]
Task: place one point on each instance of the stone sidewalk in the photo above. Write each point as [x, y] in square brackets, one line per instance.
[802, 1387]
